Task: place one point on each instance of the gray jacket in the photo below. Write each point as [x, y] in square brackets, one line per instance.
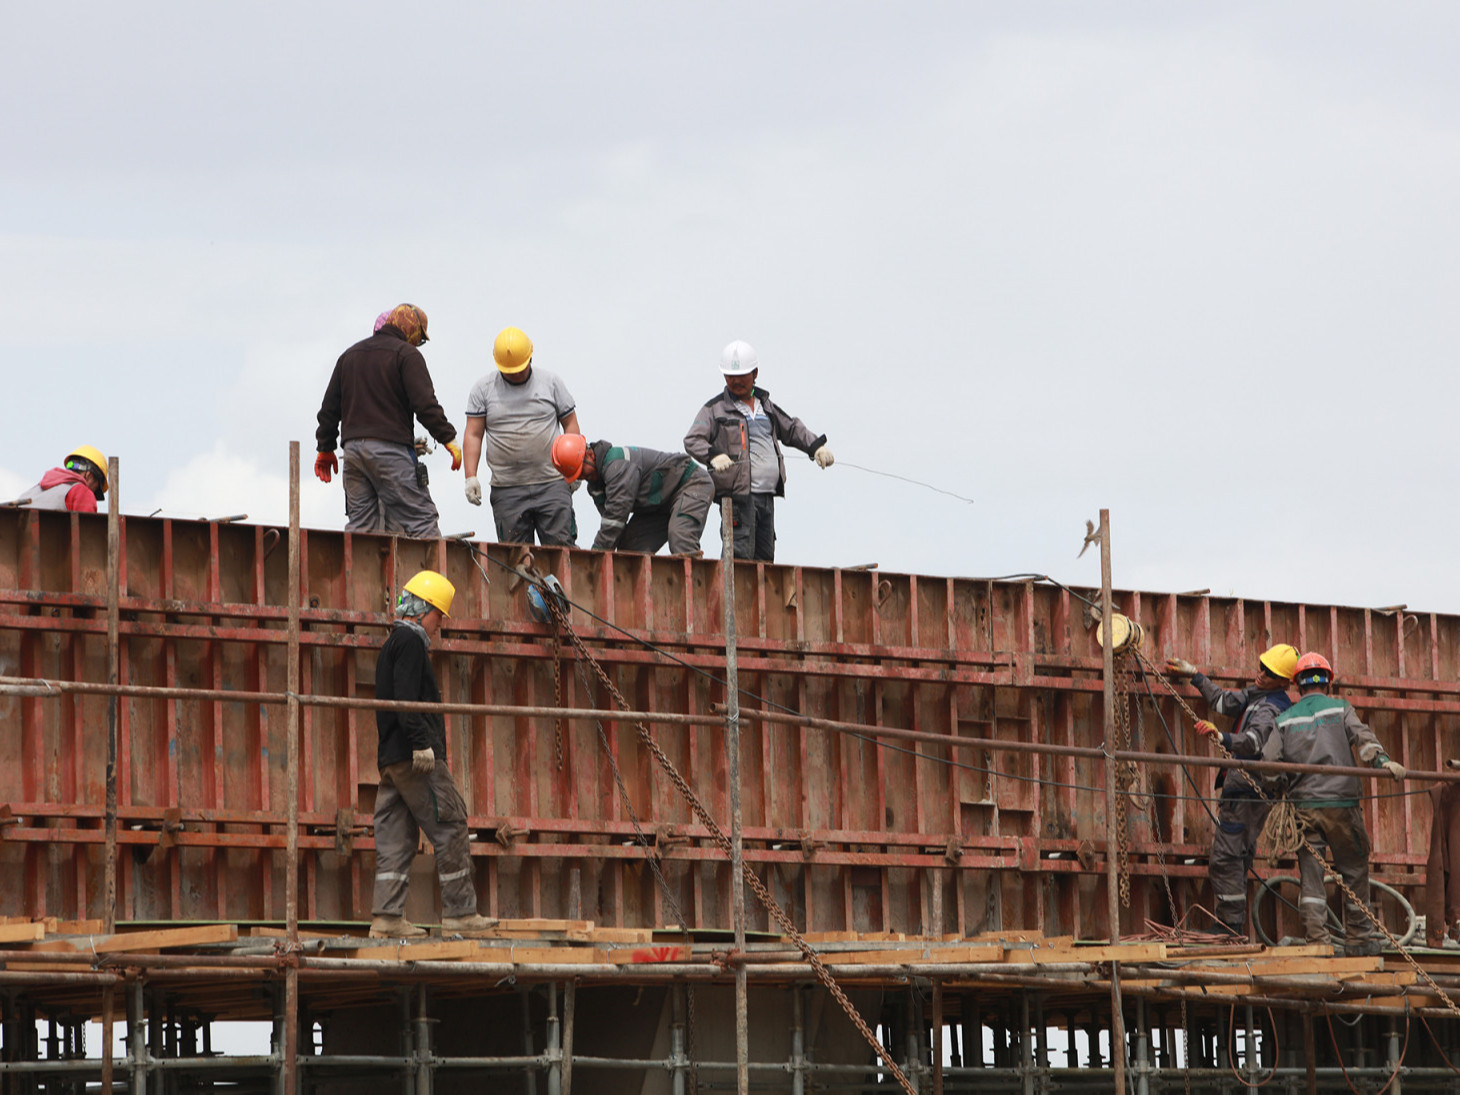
[720, 428]
[1321, 729]
[1256, 713]
[633, 480]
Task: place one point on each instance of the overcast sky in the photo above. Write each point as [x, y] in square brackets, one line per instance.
[974, 244]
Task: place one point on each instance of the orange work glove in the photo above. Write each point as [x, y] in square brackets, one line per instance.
[324, 464]
[455, 450]
[1207, 729]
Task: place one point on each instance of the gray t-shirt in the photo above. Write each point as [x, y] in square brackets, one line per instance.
[522, 421]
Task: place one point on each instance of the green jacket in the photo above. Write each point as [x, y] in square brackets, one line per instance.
[1321, 729]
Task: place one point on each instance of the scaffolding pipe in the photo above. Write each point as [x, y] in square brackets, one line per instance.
[290, 1046]
[114, 676]
[732, 750]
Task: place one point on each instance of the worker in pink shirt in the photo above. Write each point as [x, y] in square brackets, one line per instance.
[77, 485]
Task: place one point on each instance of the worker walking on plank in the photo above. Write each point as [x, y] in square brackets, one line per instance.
[379, 387]
[646, 498]
[77, 485]
[738, 436]
[514, 414]
[1242, 808]
[1323, 729]
[416, 792]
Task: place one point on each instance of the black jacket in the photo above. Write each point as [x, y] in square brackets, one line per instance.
[379, 387]
[404, 673]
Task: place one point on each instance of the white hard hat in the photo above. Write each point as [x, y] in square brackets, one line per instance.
[738, 358]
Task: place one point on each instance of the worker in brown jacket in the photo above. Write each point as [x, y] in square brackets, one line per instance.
[379, 387]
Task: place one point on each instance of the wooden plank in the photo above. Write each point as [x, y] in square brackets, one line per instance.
[22, 932]
[1283, 967]
[78, 927]
[1119, 952]
[263, 931]
[610, 935]
[167, 937]
[440, 950]
[544, 956]
[904, 955]
[544, 924]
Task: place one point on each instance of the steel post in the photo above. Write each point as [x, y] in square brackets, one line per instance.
[937, 1027]
[114, 677]
[1112, 837]
[1143, 1050]
[570, 1000]
[798, 1040]
[677, 1057]
[732, 750]
[529, 1072]
[424, 1075]
[290, 1046]
[554, 1045]
[136, 1040]
[108, 1037]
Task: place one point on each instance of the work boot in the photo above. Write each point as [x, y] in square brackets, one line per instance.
[394, 927]
[1236, 934]
[1363, 948]
[475, 924]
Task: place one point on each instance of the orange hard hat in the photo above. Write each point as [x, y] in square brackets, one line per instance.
[1313, 668]
[568, 452]
[409, 321]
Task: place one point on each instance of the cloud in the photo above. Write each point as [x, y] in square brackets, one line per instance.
[222, 483]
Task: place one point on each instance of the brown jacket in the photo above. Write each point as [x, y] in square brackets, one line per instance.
[378, 387]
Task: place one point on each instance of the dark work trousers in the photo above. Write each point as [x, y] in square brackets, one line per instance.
[381, 492]
[680, 522]
[1342, 829]
[755, 527]
[1239, 824]
[541, 509]
[408, 803]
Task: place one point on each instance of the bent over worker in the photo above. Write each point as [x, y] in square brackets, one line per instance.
[77, 485]
[379, 387]
[1242, 808]
[416, 792]
[1323, 729]
[738, 436]
[513, 415]
[646, 498]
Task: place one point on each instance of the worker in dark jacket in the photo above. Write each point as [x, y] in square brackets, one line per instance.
[416, 792]
[738, 436]
[379, 387]
[645, 498]
[1243, 808]
[1322, 729]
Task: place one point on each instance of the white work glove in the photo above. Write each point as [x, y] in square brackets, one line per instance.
[1395, 769]
[474, 490]
[719, 462]
[1179, 667]
[823, 457]
[422, 761]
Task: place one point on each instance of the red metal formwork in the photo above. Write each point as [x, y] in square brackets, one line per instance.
[849, 833]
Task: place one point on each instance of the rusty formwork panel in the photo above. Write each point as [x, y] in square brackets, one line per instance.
[849, 834]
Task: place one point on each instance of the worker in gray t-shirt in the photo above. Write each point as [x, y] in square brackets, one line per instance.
[517, 411]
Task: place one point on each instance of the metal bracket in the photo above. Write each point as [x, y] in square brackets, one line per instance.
[172, 825]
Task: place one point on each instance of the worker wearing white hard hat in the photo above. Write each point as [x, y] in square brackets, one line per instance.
[738, 434]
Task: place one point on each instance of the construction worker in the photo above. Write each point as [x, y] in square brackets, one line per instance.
[1242, 808]
[416, 792]
[77, 485]
[646, 498]
[379, 387]
[517, 411]
[1323, 729]
[738, 435]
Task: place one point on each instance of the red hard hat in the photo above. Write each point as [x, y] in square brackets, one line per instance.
[568, 452]
[1309, 662]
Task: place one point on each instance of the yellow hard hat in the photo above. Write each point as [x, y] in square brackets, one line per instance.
[92, 456]
[1280, 661]
[434, 589]
[512, 351]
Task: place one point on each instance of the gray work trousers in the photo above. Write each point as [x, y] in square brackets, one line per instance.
[755, 527]
[680, 523]
[544, 509]
[1342, 829]
[1239, 824]
[407, 804]
[381, 492]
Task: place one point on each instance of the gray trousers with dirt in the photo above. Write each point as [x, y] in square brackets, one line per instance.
[1342, 829]
[381, 492]
[407, 804]
[544, 510]
[680, 524]
[1239, 824]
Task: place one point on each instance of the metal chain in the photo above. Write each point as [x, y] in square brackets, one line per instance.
[1256, 784]
[557, 695]
[652, 859]
[1124, 773]
[718, 835]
